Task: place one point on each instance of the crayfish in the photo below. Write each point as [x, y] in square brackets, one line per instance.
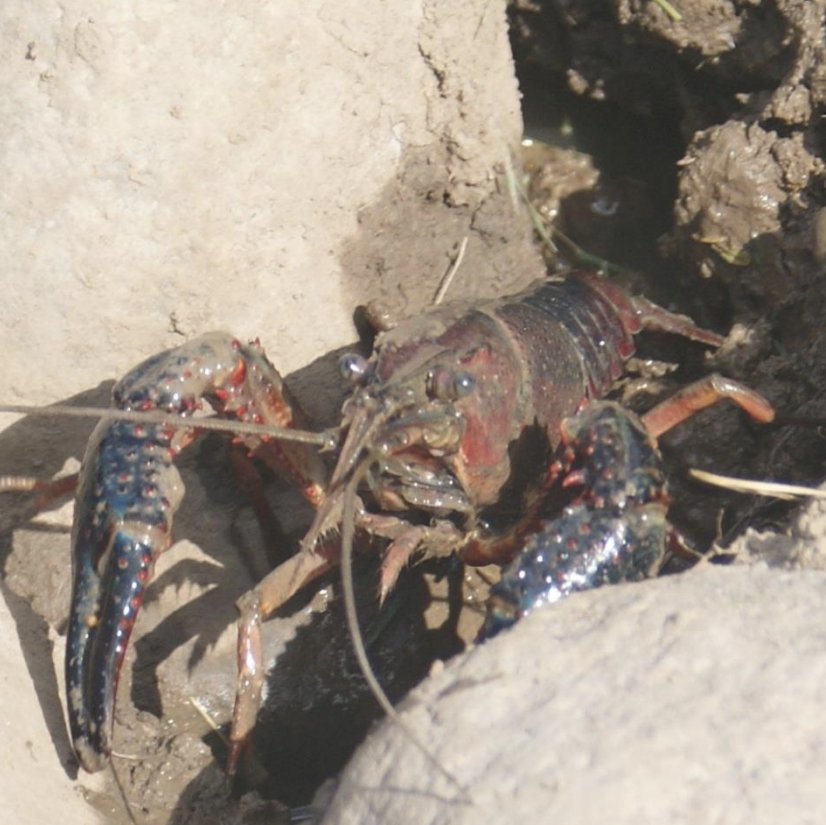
[442, 416]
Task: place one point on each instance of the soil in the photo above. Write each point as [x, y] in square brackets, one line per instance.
[704, 147]
[687, 155]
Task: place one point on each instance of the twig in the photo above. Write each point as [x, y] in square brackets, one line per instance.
[669, 10]
[763, 488]
[450, 274]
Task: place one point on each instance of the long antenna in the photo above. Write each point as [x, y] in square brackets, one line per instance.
[327, 439]
[351, 614]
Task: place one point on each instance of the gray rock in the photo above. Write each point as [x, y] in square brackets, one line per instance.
[691, 699]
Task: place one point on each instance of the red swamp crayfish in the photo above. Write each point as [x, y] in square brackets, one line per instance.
[430, 441]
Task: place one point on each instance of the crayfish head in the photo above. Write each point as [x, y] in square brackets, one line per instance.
[401, 445]
[436, 411]
[480, 387]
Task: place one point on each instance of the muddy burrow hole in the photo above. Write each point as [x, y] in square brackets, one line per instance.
[681, 147]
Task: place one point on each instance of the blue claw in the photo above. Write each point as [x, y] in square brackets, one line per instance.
[128, 493]
[615, 529]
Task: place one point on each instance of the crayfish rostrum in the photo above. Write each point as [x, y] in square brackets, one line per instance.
[429, 445]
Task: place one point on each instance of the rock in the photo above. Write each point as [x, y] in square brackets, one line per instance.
[689, 699]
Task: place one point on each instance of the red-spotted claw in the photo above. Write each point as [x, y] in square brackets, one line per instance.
[128, 493]
[131, 490]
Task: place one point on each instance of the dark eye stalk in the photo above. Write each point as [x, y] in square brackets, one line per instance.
[444, 385]
[353, 367]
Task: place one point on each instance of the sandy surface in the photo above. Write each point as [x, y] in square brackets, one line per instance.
[176, 169]
[33, 783]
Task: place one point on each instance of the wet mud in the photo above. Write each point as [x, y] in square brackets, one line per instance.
[699, 148]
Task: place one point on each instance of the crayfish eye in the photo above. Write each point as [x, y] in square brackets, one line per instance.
[444, 385]
[463, 384]
[353, 367]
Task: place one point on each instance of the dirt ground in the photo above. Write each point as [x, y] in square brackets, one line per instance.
[681, 147]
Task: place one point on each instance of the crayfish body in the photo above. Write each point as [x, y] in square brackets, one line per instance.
[430, 444]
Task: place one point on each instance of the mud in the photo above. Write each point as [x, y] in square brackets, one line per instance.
[723, 174]
[687, 156]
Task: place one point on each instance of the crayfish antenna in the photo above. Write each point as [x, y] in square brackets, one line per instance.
[326, 440]
[351, 614]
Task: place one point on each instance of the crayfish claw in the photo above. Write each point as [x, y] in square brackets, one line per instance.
[105, 607]
[128, 493]
[614, 530]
